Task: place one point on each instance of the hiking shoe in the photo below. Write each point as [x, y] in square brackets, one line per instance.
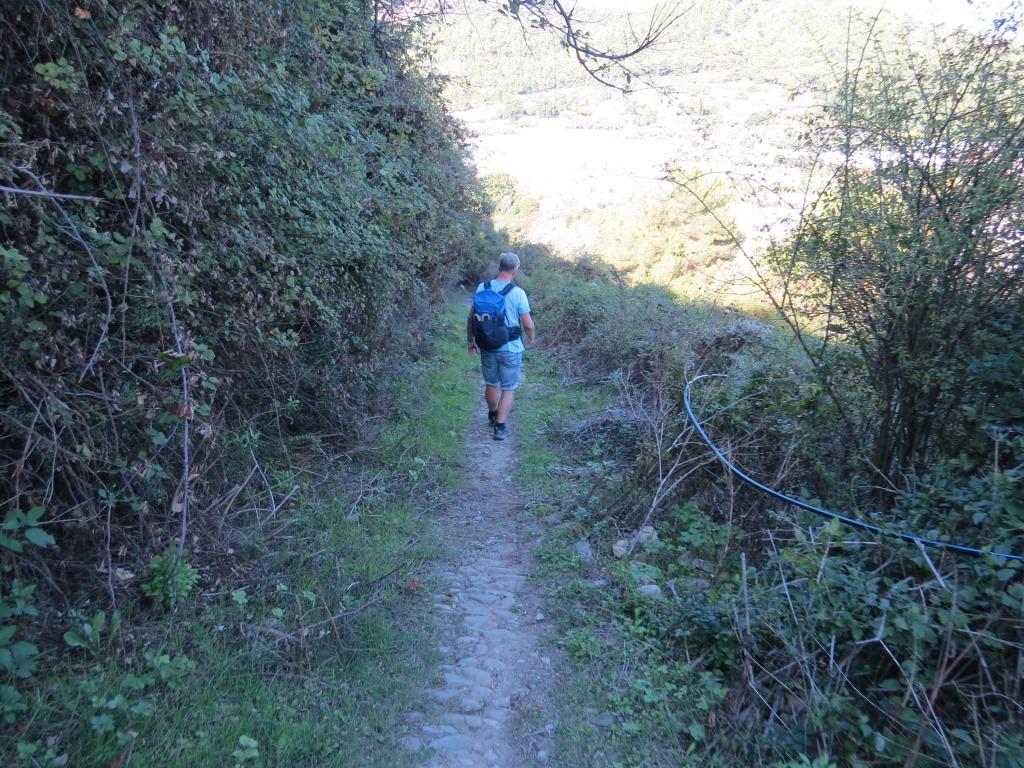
[492, 419]
[501, 432]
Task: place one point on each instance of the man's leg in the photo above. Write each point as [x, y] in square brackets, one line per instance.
[501, 430]
[505, 405]
[508, 368]
[492, 382]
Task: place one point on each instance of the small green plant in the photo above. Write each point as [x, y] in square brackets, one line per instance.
[248, 750]
[60, 74]
[582, 642]
[121, 704]
[17, 657]
[556, 557]
[89, 637]
[16, 602]
[171, 578]
[25, 525]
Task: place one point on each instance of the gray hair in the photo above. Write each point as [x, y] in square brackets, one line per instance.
[508, 262]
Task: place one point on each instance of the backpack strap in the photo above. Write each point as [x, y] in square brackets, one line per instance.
[515, 332]
[504, 291]
[487, 285]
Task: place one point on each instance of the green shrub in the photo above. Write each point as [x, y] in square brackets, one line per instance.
[502, 192]
[171, 578]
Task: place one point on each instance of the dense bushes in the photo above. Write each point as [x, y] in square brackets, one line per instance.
[222, 220]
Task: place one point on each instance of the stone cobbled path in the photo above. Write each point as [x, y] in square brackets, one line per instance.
[493, 693]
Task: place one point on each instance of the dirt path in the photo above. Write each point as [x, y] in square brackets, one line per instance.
[495, 688]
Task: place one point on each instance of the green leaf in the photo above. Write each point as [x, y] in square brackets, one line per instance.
[102, 723]
[39, 537]
[74, 640]
[23, 650]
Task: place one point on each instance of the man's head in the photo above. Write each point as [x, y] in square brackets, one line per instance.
[508, 262]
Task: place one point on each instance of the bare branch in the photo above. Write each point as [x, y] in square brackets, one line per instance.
[43, 193]
[562, 21]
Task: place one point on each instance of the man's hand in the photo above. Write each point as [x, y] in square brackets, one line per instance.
[472, 349]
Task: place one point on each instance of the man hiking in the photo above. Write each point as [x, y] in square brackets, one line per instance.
[500, 338]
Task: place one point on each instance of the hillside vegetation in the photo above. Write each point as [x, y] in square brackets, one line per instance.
[798, 43]
[224, 226]
[878, 380]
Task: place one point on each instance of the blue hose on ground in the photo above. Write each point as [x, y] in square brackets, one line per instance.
[818, 510]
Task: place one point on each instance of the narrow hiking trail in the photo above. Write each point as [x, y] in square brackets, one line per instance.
[494, 689]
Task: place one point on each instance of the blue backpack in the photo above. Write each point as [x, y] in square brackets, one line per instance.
[489, 328]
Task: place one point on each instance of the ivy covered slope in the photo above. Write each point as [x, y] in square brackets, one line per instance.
[220, 218]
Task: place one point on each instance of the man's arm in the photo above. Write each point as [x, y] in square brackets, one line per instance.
[470, 341]
[528, 329]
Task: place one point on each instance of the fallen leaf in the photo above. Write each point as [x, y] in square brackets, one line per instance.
[81, 13]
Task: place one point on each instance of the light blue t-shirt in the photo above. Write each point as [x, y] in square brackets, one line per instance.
[516, 304]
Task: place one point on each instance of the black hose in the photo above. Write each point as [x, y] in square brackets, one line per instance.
[818, 510]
